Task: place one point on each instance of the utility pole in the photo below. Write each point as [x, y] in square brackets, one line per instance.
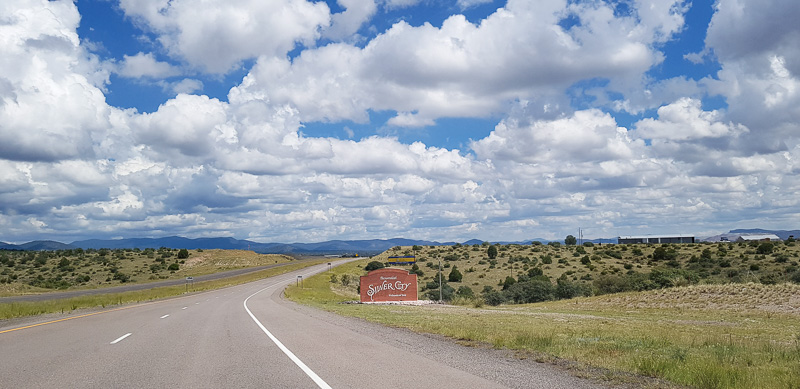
[440, 280]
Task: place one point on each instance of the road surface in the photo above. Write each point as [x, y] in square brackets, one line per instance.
[247, 336]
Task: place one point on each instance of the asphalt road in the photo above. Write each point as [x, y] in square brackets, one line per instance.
[247, 336]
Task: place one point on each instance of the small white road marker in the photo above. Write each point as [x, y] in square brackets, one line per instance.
[184, 307]
[165, 316]
[121, 337]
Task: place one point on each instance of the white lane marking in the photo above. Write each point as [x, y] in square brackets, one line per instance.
[165, 316]
[196, 303]
[322, 384]
[184, 307]
[121, 337]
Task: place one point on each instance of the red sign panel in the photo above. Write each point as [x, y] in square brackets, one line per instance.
[388, 285]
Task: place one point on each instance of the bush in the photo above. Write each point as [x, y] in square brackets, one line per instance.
[455, 275]
[494, 298]
[465, 291]
[447, 293]
[173, 266]
[374, 265]
[334, 279]
[765, 248]
[567, 289]
[508, 282]
[530, 291]
[491, 252]
[183, 254]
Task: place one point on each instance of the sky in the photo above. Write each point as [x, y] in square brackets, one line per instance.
[303, 121]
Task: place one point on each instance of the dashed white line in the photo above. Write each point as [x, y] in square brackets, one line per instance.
[310, 373]
[164, 317]
[121, 337]
[184, 307]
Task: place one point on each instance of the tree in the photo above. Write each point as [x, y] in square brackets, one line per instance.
[465, 291]
[660, 254]
[455, 275]
[508, 282]
[415, 269]
[492, 252]
[530, 292]
[374, 265]
[765, 248]
[183, 254]
[570, 240]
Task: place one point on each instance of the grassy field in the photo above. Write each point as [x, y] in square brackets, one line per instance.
[732, 335]
[26, 272]
[211, 260]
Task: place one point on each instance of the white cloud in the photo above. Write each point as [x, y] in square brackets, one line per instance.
[463, 69]
[145, 65]
[52, 104]
[464, 4]
[185, 86]
[685, 120]
[70, 165]
[215, 36]
[346, 23]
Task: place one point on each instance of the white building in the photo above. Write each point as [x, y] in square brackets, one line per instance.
[758, 237]
[676, 238]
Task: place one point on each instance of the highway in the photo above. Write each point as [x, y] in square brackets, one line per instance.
[247, 336]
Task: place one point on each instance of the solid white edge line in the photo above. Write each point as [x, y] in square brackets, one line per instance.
[121, 337]
[322, 384]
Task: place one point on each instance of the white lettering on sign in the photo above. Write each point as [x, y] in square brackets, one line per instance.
[373, 289]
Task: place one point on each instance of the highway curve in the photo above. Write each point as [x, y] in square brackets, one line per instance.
[247, 336]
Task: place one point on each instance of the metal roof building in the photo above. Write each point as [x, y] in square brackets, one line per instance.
[764, 237]
[677, 238]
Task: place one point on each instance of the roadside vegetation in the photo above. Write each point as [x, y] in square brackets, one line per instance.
[702, 315]
[22, 309]
[496, 274]
[26, 272]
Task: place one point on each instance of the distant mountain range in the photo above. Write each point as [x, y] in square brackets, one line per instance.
[361, 247]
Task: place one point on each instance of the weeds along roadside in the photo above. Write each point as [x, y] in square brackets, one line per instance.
[674, 340]
[22, 309]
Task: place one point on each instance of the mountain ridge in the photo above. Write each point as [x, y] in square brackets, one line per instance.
[361, 247]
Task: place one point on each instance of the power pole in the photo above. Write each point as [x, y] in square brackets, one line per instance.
[440, 280]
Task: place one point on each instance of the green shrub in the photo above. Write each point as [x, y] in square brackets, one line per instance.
[765, 248]
[374, 265]
[530, 291]
[455, 275]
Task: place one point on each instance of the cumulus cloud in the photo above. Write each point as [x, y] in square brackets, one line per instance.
[70, 165]
[145, 65]
[346, 23]
[215, 36]
[52, 105]
[463, 69]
